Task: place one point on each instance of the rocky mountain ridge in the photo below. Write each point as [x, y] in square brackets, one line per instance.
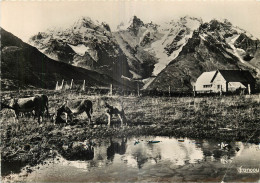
[176, 51]
[85, 44]
[215, 45]
[23, 67]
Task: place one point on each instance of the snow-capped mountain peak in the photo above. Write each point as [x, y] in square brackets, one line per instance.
[133, 23]
[176, 34]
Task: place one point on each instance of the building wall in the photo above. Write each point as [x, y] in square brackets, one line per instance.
[199, 87]
[219, 83]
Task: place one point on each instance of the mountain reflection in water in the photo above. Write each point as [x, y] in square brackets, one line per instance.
[121, 159]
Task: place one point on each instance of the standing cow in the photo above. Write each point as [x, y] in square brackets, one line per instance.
[38, 104]
[115, 110]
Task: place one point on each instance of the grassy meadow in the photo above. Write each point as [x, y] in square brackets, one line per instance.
[225, 118]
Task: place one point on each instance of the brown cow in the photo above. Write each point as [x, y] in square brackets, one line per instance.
[115, 110]
[38, 104]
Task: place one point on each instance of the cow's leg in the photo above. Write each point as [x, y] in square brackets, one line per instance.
[89, 116]
[38, 114]
[16, 115]
[66, 117]
[108, 119]
[119, 115]
[48, 114]
[15, 118]
[39, 118]
[123, 117]
[35, 114]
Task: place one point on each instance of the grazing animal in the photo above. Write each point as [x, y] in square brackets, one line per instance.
[38, 104]
[112, 110]
[74, 108]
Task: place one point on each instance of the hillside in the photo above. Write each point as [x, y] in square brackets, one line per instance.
[215, 45]
[172, 53]
[162, 42]
[87, 44]
[23, 66]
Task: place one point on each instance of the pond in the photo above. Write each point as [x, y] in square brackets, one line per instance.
[162, 160]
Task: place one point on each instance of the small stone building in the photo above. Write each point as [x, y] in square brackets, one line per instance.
[225, 81]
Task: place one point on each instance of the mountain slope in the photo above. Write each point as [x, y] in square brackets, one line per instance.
[24, 66]
[85, 44]
[161, 42]
[172, 54]
[215, 45]
[133, 40]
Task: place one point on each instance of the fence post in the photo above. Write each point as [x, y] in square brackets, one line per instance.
[83, 86]
[194, 91]
[71, 84]
[249, 89]
[169, 91]
[220, 90]
[111, 89]
[57, 85]
[62, 84]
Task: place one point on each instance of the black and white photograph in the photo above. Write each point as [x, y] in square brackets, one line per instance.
[130, 91]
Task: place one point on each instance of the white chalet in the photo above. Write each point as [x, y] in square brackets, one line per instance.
[224, 81]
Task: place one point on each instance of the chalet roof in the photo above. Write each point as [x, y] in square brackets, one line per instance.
[205, 77]
[235, 76]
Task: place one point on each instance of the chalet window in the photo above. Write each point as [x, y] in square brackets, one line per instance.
[207, 86]
[218, 86]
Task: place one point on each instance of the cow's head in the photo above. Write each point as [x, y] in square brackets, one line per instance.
[15, 104]
[64, 109]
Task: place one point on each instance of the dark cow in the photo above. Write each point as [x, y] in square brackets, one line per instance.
[73, 108]
[115, 110]
[38, 104]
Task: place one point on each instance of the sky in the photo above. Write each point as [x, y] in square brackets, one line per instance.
[24, 18]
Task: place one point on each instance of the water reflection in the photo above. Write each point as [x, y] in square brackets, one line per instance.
[177, 152]
[116, 147]
[121, 159]
[78, 151]
[215, 151]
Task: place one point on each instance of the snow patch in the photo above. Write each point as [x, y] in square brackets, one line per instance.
[135, 76]
[144, 34]
[203, 37]
[147, 82]
[80, 49]
[235, 50]
[126, 78]
[170, 31]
